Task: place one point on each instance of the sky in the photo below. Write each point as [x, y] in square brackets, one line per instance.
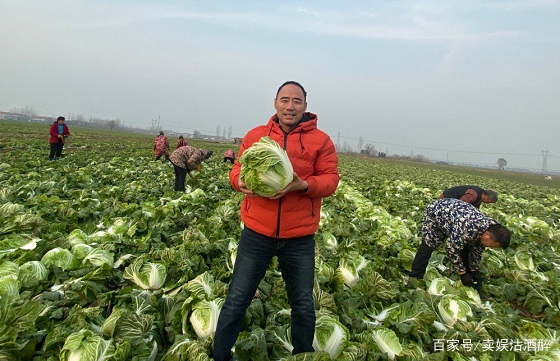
[463, 81]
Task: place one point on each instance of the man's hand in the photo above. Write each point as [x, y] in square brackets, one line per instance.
[243, 188]
[297, 184]
[199, 168]
[466, 279]
[60, 136]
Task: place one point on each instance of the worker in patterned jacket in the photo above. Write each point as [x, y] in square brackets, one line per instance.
[184, 160]
[468, 232]
[161, 146]
[471, 194]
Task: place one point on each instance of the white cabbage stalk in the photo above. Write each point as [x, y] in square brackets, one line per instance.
[149, 276]
[98, 257]
[201, 285]
[330, 241]
[86, 346]
[348, 269]
[330, 335]
[524, 261]
[265, 167]
[204, 317]
[437, 286]
[388, 342]
[453, 309]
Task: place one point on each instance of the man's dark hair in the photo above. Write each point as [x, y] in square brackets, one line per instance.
[294, 83]
[161, 132]
[60, 118]
[500, 234]
[491, 195]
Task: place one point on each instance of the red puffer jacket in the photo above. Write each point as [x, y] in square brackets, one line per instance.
[313, 158]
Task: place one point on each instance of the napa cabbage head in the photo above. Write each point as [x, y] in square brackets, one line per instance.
[388, 342]
[265, 167]
[452, 309]
[86, 346]
[204, 317]
[147, 275]
[330, 335]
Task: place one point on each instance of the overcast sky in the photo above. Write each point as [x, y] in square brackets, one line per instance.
[407, 76]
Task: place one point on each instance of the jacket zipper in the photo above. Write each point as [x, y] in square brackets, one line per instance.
[280, 199]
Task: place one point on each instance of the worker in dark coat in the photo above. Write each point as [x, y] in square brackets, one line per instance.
[471, 194]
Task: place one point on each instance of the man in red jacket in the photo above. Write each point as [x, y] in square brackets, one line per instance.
[284, 224]
[58, 134]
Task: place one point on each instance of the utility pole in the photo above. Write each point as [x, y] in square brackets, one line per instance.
[544, 165]
[158, 126]
[338, 142]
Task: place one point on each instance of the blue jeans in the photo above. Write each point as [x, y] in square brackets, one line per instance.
[296, 257]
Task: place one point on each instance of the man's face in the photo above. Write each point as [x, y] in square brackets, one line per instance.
[290, 105]
[485, 199]
[488, 241]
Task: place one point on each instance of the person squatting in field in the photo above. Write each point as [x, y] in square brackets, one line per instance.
[471, 194]
[229, 156]
[161, 146]
[282, 225]
[58, 134]
[468, 231]
[186, 159]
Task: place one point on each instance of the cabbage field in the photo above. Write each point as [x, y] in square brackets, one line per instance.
[101, 260]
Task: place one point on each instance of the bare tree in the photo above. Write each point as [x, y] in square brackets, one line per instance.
[360, 144]
[502, 163]
[369, 149]
[229, 131]
[197, 134]
[218, 131]
[28, 112]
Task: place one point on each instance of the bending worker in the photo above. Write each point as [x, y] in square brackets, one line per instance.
[471, 194]
[468, 231]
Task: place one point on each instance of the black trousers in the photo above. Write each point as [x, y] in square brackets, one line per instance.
[180, 175]
[56, 149]
[422, 259]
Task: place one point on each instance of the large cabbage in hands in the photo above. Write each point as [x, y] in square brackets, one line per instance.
[265, 167]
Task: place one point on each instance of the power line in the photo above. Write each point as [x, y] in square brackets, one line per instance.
[441, 149]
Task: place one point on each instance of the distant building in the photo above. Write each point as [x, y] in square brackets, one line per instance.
[12, 116]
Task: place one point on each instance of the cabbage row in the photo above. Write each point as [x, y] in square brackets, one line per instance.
[101, 260]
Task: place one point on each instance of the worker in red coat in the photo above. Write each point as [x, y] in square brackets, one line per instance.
[58, 134]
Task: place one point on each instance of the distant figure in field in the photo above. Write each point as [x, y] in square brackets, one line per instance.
[58, 132]
[186, 159]
[181, 142]
[229, 156]
[161, 146]
[471, 194]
